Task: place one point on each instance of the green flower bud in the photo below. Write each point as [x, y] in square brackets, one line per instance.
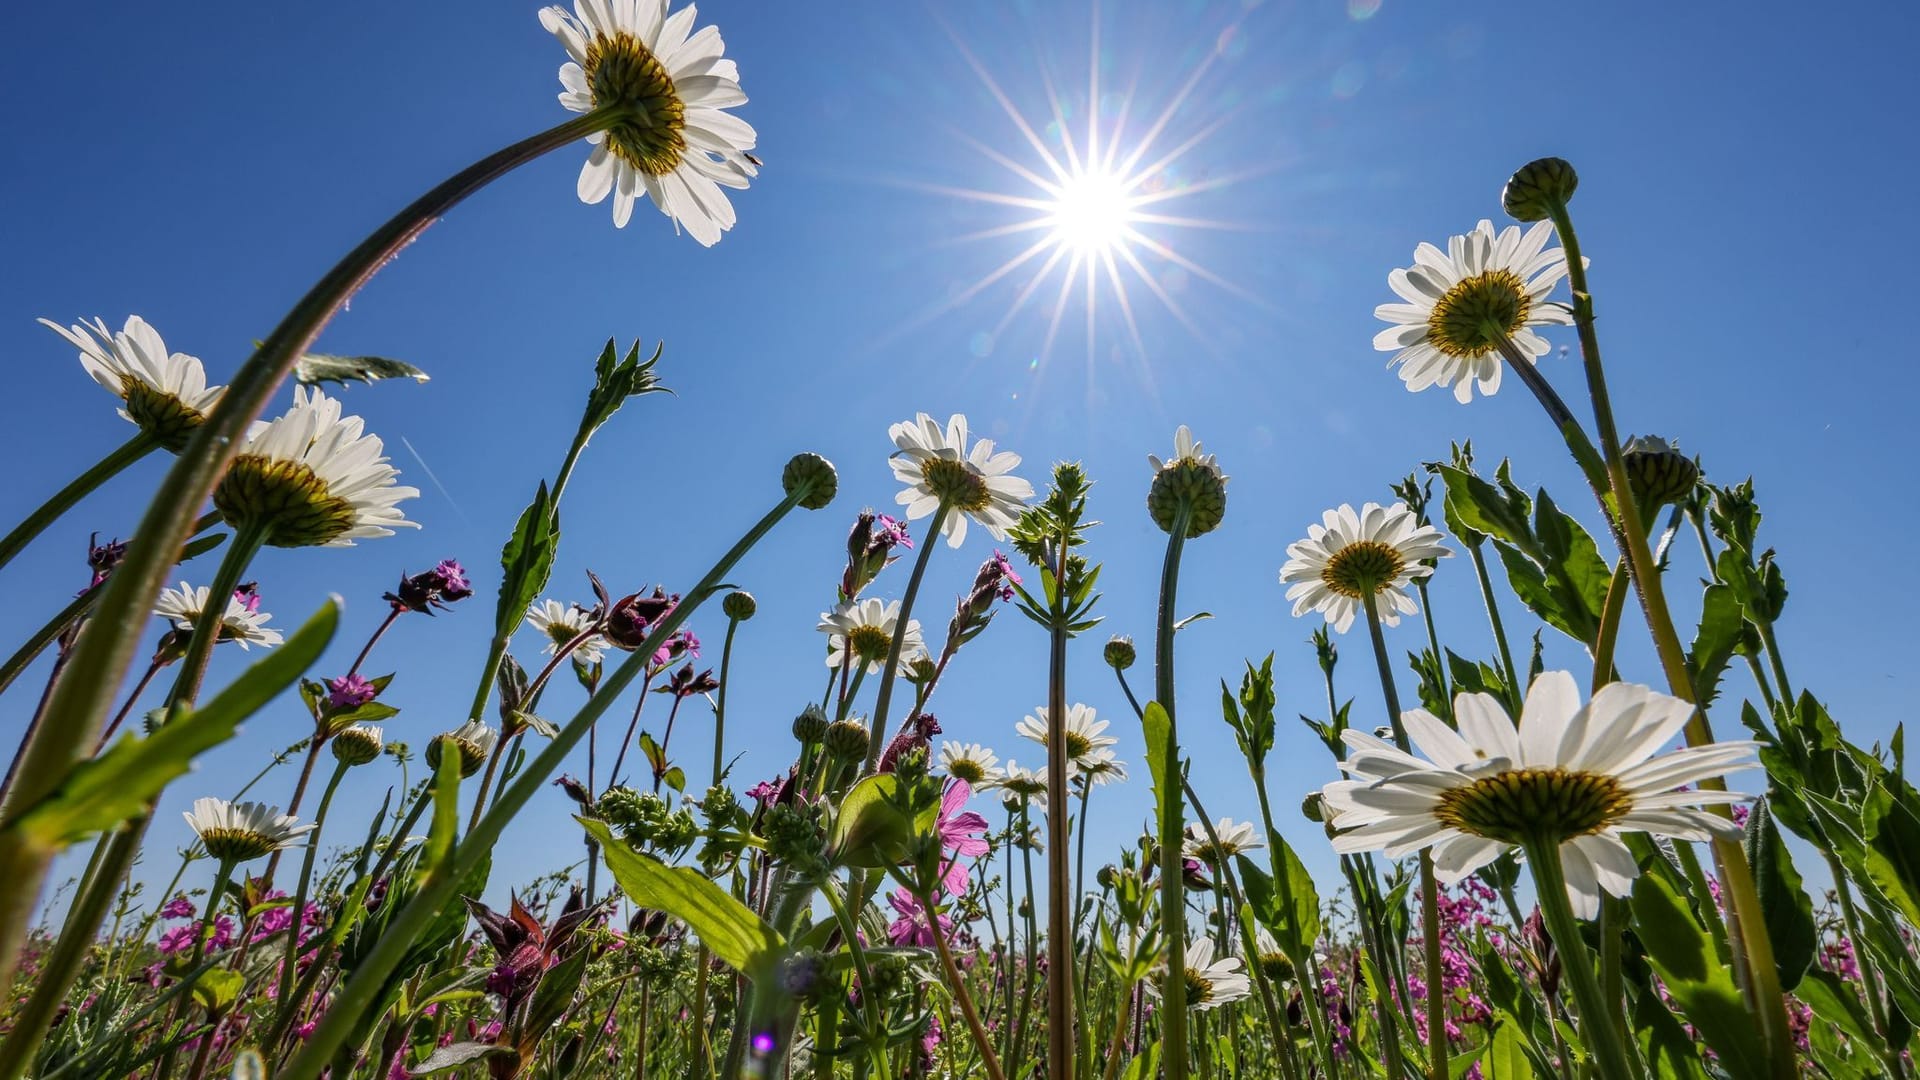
[847, 739]
[473, 741]
[357, 745]
[810, 725]
[812, 475]
[1120, 653]
[1537, 188]
[1198, 486]
[739, 606]
[1657, 472]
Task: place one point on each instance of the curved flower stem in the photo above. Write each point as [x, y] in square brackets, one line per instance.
[105, 469]
[1474, 552]
[1173, 901]
[965, 1000]
[720, 702]
[1609, 634]
[1429, 884]
[306, 878]
[1764, 996]
[878, 728]
[370, 975]
[105, 648]
[1603, 1042]
[393, 612]
[75, 610]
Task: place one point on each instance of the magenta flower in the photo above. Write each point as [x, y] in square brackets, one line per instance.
[178, 908]
[349, 692]
[961, 833]
[912, 927]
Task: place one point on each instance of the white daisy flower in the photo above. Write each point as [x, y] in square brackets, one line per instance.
[237, 832]
[1235, 837]
[1022, 785]
[938, 467]
[1461, 302]
[473, 741]
[677, 145]
[867, 627]
[1211, 982]
[971, 762]
[165, 394]
[313, 477]
[1377, 551]
[1100, 768]
[242, 622]
[1571, 775]
[1082, 729]
[561, 623]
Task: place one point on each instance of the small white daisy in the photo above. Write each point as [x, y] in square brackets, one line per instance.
[1462, 301]
[1570, 775]
[1022, 785]
[313, 477]
[165, 394]
[677, 145]
[1211, 982]
[1235, 837]
[866, 627]
[971, 762]
[242, 622]
[1082, 729]
[1100, 768]
[939, 467]
[1377, 551]
[238, 832]
[561, 623]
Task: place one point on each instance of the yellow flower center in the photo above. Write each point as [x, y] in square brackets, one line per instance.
[622, 71]
[1078, 745]
[966, 769]
[1362, 568]
[287, 497]
[1199, 987]
[161, 415]
[869, 643]
[235, 845]
[956, 483]
[1522, 805]
[1474, 315]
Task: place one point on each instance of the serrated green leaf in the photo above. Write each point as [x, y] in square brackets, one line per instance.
[725, 926]
[1715, 641]
[1783, 901]
[100, 793]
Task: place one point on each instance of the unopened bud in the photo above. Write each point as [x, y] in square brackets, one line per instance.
[813, 477]
[810, 725]
[847, 740]
[1120, 653]
[1538, 188]
[739, 606]
[357, 745]
[1657, 472]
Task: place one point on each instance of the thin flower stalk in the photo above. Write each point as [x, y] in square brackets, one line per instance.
[1173, 904]
[79, 488]
[957, 985]
[877, 728]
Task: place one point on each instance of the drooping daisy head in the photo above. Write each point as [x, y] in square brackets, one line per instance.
[238, 832]
[1569, 775]
[1463, 302]
[358, 744]
[1082, 729]
[242, 622]
[1235, 837]
[866, 628]
[1211, 982]
[940, 468]
[1275, 963]
[970, 763]
[312, 477]
[561, 623]
[166, 394]
[1350, 556]
[672, 141]
[1191, 479]
[1022, 786]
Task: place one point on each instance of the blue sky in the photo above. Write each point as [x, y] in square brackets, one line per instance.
[1739, 200]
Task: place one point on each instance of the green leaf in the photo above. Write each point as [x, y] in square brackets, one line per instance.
[1669, 1049]
[1286, 903]
[100, 793]
[733, 932]
[1838, 1003]
[316, 368]
[871, 829]
[527, 559]
[1715, 641]
[1159, 732]
[446, 817]
[555, 995]
[218, 989]
[1700, 984]
[1783, 902]
[454, 1055]
[1504, 1058]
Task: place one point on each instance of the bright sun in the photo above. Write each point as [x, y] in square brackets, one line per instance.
[1092, 213]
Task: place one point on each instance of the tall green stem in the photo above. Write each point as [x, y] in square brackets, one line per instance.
[720, 702]
[1476, 553]
[357, 995]
[106, 646]
[291, 960]
[1603, 1044]
[1173, 901]
[1429, 883]
[105, 469]
[878, 728]
[1061, 1031]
